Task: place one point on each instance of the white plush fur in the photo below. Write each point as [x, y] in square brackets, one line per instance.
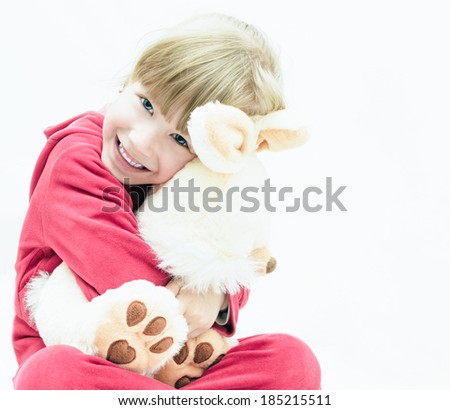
[222, 137]
[57, 307]
[208, 250]
[63, 315]
[211, 250]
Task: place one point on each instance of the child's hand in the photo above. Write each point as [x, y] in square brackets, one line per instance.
[199, 310]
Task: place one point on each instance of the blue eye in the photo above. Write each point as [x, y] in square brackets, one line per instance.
[179, 140]
[147, 105]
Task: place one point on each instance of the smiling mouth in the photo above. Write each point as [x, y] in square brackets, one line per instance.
[130, 161]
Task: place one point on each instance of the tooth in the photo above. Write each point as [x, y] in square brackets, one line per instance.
[128, 159]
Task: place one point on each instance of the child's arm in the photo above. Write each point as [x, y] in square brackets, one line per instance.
[95, 231]
[84, 216]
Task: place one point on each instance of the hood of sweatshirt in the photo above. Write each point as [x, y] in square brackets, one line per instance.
[90, 122]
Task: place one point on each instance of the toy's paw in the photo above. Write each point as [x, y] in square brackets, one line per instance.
[196, 356]
[141, 328]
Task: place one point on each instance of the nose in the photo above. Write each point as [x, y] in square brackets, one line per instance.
[146, 144]
[146, 141]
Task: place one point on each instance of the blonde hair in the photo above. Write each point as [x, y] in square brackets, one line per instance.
[212, 57]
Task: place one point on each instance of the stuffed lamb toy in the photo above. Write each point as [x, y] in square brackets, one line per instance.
[218, 242]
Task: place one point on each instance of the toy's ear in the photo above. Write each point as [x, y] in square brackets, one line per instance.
[279, 131]
[221, 136]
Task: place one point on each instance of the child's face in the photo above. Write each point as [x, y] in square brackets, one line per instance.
[141, 146]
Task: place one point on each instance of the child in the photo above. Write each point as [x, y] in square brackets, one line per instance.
[139, 140]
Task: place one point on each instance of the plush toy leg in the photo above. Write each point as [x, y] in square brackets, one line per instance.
[137, 326]
[197, 355]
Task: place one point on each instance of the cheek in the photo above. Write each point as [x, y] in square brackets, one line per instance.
[110, 119]
[118, 114]
[184, 158]
[173, 166]
[109, 135]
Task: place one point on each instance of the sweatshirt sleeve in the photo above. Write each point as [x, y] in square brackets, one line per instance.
[236, 302]
[87, 219]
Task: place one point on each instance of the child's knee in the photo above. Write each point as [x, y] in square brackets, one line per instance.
[48, 368]
[295, 362]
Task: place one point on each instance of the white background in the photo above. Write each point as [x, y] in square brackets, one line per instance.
[367, 289]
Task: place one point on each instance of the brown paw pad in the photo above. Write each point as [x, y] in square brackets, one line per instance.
[119, 352]
[203, 352]
[218, 359]
[182, 355]
[136, 313]
[155, 326]
[162, 346]
[184, 381]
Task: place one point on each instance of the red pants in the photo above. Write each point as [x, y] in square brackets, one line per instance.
[265, 362]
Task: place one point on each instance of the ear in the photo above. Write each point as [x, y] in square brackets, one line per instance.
[279, 131]
[221, 136]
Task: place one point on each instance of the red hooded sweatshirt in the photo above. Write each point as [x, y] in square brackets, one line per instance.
[70, 189]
